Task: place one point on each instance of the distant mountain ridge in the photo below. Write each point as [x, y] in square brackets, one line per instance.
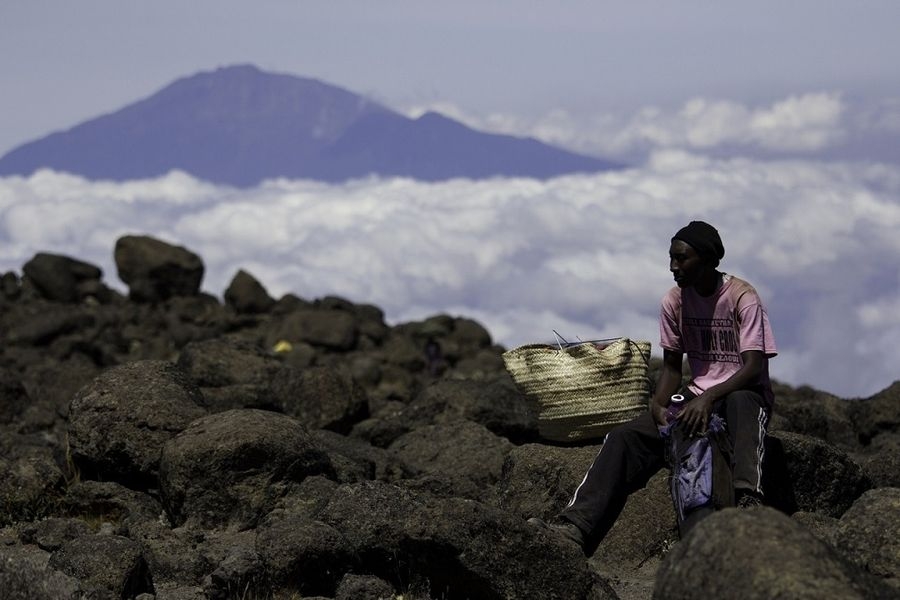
[239, 125]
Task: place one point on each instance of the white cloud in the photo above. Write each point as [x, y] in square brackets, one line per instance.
[803, 123]
[586, 255]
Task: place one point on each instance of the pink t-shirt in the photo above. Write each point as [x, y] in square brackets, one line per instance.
[714, 330]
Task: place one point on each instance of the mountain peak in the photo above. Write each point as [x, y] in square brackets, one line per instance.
[239, 125]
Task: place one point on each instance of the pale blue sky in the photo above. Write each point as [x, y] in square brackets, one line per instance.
[62, 62]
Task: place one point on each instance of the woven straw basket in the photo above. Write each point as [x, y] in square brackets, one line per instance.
[583, 390]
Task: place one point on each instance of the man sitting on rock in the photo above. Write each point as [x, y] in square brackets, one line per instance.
[719, 321]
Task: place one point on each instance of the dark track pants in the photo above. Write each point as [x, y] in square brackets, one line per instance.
[633, 452]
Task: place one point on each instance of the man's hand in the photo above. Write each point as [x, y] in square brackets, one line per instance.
[659, 414]
[695, 414]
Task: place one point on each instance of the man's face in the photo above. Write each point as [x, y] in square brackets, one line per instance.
[685, 264]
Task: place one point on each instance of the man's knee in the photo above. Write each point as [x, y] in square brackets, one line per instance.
[747, 398]
[743, 404]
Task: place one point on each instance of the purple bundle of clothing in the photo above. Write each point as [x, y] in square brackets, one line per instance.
[699, 463]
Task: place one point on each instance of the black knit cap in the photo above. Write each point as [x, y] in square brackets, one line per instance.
[703, 238]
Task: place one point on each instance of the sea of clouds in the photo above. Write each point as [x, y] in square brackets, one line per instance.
[586, 255]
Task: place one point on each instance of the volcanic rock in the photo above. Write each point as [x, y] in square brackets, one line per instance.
[245, 294]
[119, 423]
[232, 372]
[155, 270]
[759, 554]
[229, 468]
[869, 534]
[25, 575]
[805, 473]
[107, 566]
[320, 398]
[64, 279]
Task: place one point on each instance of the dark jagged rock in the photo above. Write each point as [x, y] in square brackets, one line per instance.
[119, 423]
[155, 270]
[304, 555]
[50, 534]
[363, 587]
[246, 294]
[461, 548]
[878, 414]
[31, 485]
[333, 329]
[14, 399]
[64, 279]
[25, 575]
[869, 534]
[231, 372]
[816, 414]
[467, 456]
[759, 554]
[357, 460]
[805, 473]
[538, 480]
[238, 567]
[107, 501]
[499, 407]
[53, 322]
[881, 460]
[108, 566]
[491, 403]
[320, 398]
[228, 469]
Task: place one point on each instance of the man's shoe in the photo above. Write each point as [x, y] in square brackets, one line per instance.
[748, 499]
[563, 529]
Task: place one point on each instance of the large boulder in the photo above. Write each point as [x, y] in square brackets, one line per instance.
[759, 554]
[63, 279]
[109, 502]
[25, 575]
[108, 566]
[464, 457]
[14, 400]
[878, 414]
[460, 548]
[119, 422]
[229, 469]
[155, 270]
[320, 397]
[869, 534]
[50, 534]
[31, 485]
[48, 324]
[881, 460]
[245, 294]
[494, 404]
[491, 403]
[814, 413]
[363, 587]
[808, 474]
[232, 372]
[538, 480]
[303, 555]
[52, 384]
[328, 328]
[357, 460]
[236, 565]
[644, 530]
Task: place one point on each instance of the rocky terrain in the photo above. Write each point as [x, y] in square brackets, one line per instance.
[170, 445]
